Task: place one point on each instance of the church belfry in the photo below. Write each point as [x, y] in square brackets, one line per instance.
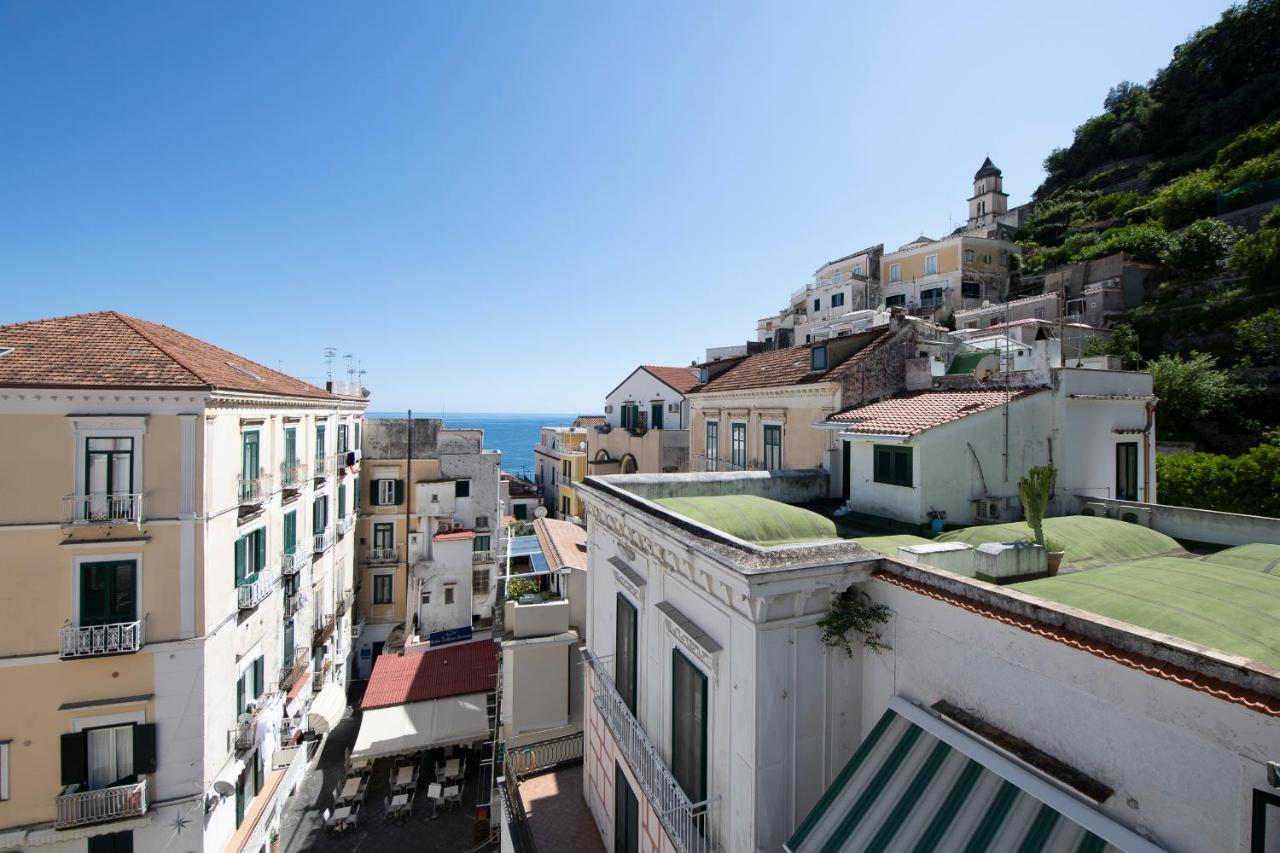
[989, 199]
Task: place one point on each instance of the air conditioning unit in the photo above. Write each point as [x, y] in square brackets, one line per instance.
[1094, 508]
[608, 408]
[989, 509]
[1134, 514]
[673, 407]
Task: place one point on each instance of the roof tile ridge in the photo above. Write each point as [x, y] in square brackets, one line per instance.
[133, 323]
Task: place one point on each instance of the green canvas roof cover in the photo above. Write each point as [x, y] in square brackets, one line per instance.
[753, 518]
[918, 784]
[966, 362]
[1260, 557]
[1090, 541]
[1232, 609]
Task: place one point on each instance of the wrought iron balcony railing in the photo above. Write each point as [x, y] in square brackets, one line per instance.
[113, 638]
[291, 562]
[80, 808]
[324, 467]
[323, 631]
[293, 476]
[254, 589]
[253, 490]
[384, 555]
[322, 542]
[688, 824]
[102, 508]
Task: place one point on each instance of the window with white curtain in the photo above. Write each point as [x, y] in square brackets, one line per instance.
[110, 755]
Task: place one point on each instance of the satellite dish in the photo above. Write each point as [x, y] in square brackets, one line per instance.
[223, 788]
[539, 512]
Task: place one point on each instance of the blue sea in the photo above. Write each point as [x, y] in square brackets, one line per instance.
[514, 434]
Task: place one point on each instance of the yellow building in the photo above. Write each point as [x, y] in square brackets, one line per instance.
[174, 536]
[560, 460]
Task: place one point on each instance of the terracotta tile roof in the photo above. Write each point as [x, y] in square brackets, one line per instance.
[1259, 702]
[445, 671]
[454, 536]
[108, 349]
[913, 413]
[788, 366]
[563, 543]
[585, 421]
[682, 379]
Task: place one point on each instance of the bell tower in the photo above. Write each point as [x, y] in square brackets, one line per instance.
[989, 199]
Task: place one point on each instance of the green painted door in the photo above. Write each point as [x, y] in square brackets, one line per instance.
[626, 814]
[290, 447]
[655, 416]
[288, 643]
[108, 592]
[290, 531]
[249, 462]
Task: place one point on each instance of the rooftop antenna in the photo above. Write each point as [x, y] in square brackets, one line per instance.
[329, 353]
[360, 372]
[351, 371]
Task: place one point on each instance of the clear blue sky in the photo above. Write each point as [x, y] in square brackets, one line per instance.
[507, 206]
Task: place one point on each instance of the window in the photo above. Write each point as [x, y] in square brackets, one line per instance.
[626, 814]
[837, 299]
[105, 756]
[4, 770]
[931, 297]
[357, 435]
[624, 657]
[858, 270]
[630, 415]
[1127, 471]
[655, 415]
[290, 650]
[968, 255]
[898, 299]
[895, 272]
[818, 358]
[480, 582]
[113, 842]
[482, 522]
[108, 592]
[342, 500]
[566, 469]
[355, 494]
[382, 589]
[520, 512]
[342, 438]
[892, 465]
[738, 445]
[290, 447]
[426, 596]
[462, 489]
[251, 555]
[817, 304]
[320, 514]
[703, 375]
[108, 467]
[290, 535]
[971, 290]
[249, 466]
[250, 685]
[688, 726]
[1266, 822]
[930, 264]
[1004, 258]
[986, 259]
[566, 506]
[448, 594]
[772, 447]
[319, 443]
[713, 444]
[480, 543]
[1039, 312]
[384, 536]
[387, 492]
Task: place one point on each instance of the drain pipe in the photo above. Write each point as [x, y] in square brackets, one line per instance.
[1146, 451]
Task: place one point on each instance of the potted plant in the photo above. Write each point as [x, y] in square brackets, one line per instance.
[275, 839]
[1035, 489]
[1054, 551]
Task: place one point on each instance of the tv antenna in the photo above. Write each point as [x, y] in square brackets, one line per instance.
[329, 353]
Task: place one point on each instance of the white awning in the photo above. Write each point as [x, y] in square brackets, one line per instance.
[418, 725]
[328, 708]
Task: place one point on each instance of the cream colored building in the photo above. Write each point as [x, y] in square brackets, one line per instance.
[935, 278]
[175, 538]
[560, 460]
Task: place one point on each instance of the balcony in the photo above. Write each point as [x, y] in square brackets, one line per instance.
[292, 604]
[102, 508]
[293, 476]
[345, 460]
[252, 491]
[685, 822]
[343, 525]
[291, 562]
[321, 542]
[384, 555]
[324, 467]
[344, 604]
[289, 675]
[323, 631]
[254, 589]
[115, 638]
[80, 808]
[242, 737]
[482, 556]
[318, 680]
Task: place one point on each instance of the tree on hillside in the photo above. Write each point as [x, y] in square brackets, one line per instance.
[1191, 389]
[1201, 246]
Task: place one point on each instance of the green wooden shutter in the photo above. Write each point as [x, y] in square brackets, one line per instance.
[399, 491]
[75, 758]
[373, 492]
[240, 552]
[144, 748]
[261, 537]
[882, 463]
[258, 685]
[240, 701]
[290, 531]
[342, 501]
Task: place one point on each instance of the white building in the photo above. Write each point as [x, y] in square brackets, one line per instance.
[646, 423]
[717, 718]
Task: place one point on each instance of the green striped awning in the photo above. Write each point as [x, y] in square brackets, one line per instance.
[918, 784]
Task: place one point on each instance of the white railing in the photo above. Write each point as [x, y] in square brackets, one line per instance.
[321, 542]
[293, 477]
[102, 508]
[114, 638]
[253, 589]
[343, 525]
[384, 555]
[325, 466]
[292, 562]
[482, 556]
[254, 490]
[78, 808]
[686, 823]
